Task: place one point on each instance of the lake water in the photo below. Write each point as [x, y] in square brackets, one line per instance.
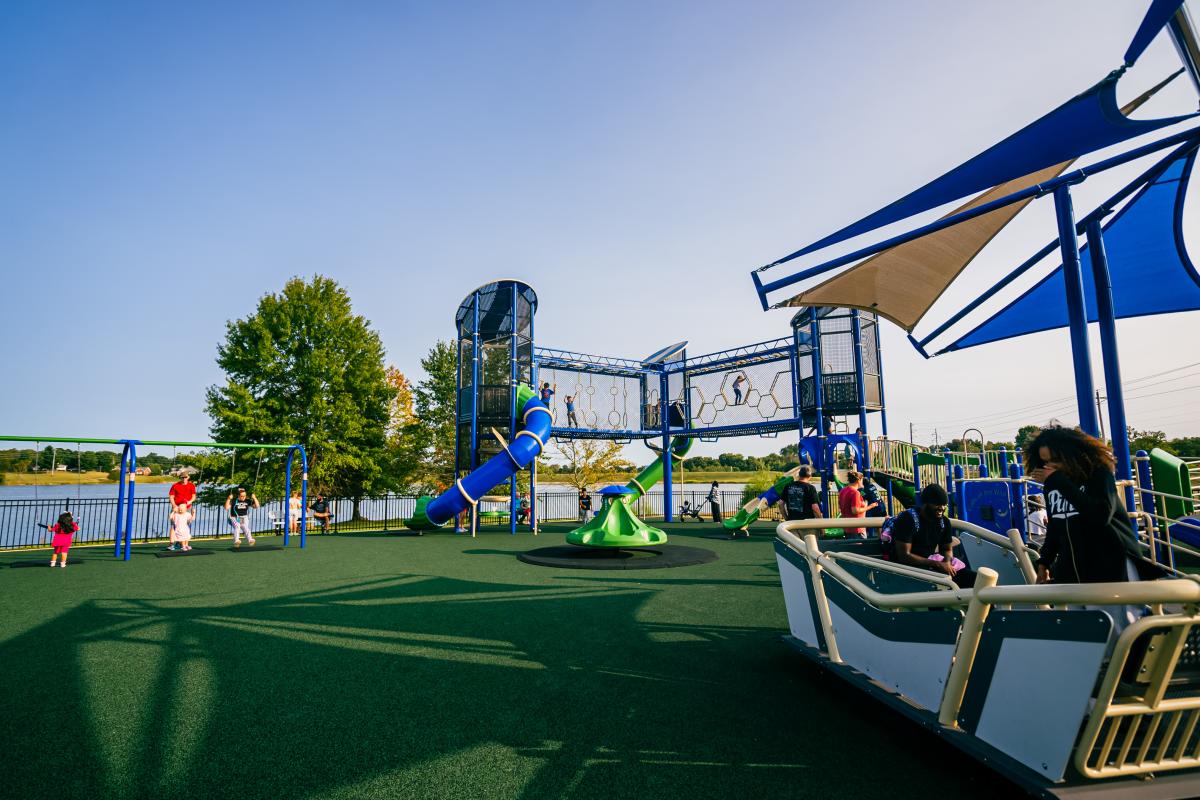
[109, 490]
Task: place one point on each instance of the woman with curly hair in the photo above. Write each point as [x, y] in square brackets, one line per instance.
[1088, 535]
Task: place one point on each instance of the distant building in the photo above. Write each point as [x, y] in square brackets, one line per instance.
[61, 468]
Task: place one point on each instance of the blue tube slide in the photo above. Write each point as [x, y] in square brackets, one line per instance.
[519, 454]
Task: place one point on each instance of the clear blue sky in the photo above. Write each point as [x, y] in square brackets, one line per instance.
[163, 165]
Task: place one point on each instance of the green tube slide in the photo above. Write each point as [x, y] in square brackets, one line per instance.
[904, 492]
[1170, 476]
[648, 478]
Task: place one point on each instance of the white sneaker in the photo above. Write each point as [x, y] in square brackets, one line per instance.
[53, 564]
[252, 543]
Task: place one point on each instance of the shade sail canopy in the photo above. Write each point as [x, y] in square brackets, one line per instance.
[1086, 123]
[1148, 262]
[903, 282]
[1157, 16]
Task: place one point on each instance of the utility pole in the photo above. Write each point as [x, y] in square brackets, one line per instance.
[910, 433]
[1100, 415]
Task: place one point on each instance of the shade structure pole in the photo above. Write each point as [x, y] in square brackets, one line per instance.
[860, 378]
[819, 402]
[1106, 314]
[1089, 422]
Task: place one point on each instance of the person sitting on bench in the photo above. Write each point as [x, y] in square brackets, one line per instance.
[922, 537]
[321, 513]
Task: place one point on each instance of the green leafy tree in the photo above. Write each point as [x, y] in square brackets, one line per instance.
[591, 462]
[432, 430]
[1146, 440]
[304, 368]
[1186, 447]
[403, 443]
[1024, 434]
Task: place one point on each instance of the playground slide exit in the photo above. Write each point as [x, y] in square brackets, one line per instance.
[518, 454]
[649, 477]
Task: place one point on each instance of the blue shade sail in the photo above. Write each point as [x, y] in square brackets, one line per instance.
[1086, 123]
[1157, 16]
[1148, 263]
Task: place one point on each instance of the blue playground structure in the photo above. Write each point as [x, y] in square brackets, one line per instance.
[830, 366]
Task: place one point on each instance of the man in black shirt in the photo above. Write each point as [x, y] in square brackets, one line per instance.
[922, 537]
[585, 504]
[800, 499]
[320, 512]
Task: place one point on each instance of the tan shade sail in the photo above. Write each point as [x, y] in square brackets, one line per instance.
[903, 283]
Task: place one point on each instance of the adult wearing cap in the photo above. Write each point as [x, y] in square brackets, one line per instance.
[922, 537]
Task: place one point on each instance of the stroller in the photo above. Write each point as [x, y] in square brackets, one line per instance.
[687, 510]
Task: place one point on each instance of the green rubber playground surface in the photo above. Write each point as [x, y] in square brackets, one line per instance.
[371, 666]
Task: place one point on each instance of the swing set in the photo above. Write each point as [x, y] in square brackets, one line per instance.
[128, 477]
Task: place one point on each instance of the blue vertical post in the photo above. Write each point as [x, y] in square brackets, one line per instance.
[120, 500]
[287, 498]
[861, 394]
[1003, 457]
[475, 389]
[1017, 500]
[957, 493]
[533, 377]
[458, 412]
[1146, 484]
[1076, 311]
[794, 357]
[1106, 315]
[303, 492]
[668, 456]
[129, 499]
[512, 407]
[819, 402]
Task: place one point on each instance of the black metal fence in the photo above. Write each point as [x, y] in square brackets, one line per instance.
[97, 518]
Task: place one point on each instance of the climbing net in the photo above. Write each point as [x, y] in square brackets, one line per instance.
[602, 402]
[743, 395]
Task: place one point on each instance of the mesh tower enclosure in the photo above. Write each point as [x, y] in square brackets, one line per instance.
[840, 361]
[495, 353]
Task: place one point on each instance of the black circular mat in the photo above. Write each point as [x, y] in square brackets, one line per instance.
[763, 534]
[569, 556]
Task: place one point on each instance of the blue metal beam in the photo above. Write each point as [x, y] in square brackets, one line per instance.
[1076, 311]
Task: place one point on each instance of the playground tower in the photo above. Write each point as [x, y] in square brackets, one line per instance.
[495, 354]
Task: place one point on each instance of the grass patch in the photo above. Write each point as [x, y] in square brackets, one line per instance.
[436, 667]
